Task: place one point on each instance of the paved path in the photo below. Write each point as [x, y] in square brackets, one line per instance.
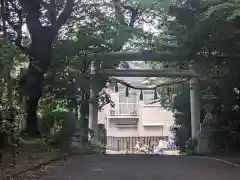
[144, 167]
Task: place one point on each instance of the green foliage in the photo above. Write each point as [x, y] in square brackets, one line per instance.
[9, 136]
[50, 121]
[191, 146]
[209, 28]
[58, 127]
[83, 28]
[99, 31]
[225, 133]
[9, 52]
[182, 124]
[181, 134]
[88, 149]
[230, 8]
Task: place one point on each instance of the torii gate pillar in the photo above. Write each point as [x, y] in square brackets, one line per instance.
[195, 106]
[93, 107]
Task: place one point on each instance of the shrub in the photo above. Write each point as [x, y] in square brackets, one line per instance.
[191, 146]
[49, 121]
[181, 136]
[58, 127]
[88, 149]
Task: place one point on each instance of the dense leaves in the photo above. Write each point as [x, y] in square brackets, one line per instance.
[60, 33]
[206, 33]
[54, 36]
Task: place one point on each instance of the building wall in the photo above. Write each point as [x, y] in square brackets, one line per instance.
[152, 120]
[123, 127]
[156, 119]
[123, 132]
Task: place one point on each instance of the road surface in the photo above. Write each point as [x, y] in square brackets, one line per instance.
[144, 167]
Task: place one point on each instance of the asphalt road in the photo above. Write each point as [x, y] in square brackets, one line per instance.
[144, 167]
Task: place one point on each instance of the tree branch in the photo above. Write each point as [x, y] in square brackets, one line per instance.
[118, 12]
[14, 6]
[25, 50]
[63, 16]
[4, 18]
[33, 13]
[52, 11]
[51, 8]
[134, 13]
[17, 27]
[119, 15]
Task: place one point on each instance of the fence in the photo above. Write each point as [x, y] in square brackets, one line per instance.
[123, 109]
[127, 143]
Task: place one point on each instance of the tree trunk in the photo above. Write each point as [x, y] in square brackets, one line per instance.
[9, 89]
[41, 51]
[31, 119]
[85, 115]
[33, 91]
[84, 107]
[76, 112]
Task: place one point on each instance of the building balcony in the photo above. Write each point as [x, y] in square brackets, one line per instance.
[123, 110]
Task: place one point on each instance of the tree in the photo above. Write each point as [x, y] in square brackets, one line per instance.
[182, 125]
[44, 20]
[42, 30]
[209, 28]
[42, 37]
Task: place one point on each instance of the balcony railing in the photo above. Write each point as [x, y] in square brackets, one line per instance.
[124, 109]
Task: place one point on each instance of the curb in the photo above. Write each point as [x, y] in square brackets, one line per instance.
[220, 160]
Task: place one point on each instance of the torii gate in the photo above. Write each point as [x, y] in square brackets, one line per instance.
[146, 56]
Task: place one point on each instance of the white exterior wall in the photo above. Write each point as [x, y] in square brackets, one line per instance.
[151, 120]
[155, 120]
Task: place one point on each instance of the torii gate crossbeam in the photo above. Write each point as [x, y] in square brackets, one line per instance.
[135, 56]
[148, 73]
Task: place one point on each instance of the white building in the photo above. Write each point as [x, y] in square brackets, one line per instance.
[132, 119]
